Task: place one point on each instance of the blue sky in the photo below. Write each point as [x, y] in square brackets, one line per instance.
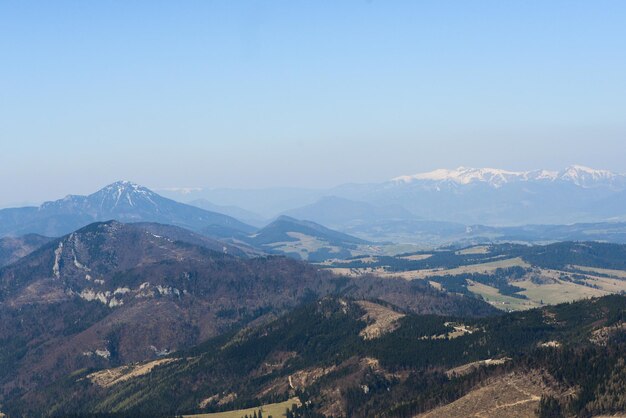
[314, 94]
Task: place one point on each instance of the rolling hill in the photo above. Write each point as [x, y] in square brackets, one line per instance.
[307, 240]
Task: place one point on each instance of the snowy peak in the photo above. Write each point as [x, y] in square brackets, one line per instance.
[463, 175]
[122, 194]
[585, 176]
[577, 174]
[121, 188]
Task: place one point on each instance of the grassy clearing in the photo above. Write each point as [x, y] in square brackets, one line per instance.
[470, 367]
[613, 273]
[304, 246]
[515, 395]
[479, 249]
[486, 267]
[495, 298]
[489, 267]
[274, 409]
[558, 292]
[380, 319]
[363, 259]
[417, 257]
[109, 377]
[608, 284]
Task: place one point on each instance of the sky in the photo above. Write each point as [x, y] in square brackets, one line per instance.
[253, 94]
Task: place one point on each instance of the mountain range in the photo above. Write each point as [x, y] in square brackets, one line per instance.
[469, 196]
[128, 202]
[576, 174]
[340, 227]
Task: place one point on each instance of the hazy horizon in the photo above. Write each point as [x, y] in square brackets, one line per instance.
[182, 190]
[257, 95]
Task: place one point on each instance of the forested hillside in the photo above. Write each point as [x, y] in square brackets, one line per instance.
[326, 353]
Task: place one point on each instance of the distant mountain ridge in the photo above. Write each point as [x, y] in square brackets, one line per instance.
[123, 201]
[335, 211]
[470, 196]
[577, 174]
[498, 197]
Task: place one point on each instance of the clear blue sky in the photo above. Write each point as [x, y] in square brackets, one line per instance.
[315, 93]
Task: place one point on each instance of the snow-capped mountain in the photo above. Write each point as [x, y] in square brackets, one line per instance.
[116, 198]
[576, 174]
[463, 195]
[589, 177]
[123, 201]
[501, 197]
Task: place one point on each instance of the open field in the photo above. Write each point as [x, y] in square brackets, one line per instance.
[477, 268]
[304, 245]
[613, 273]
[558, 292]
[608, 284]
[554, 291]
[417, 257]
[109, 377]
[479, 249]
[489, 267]
[500, 301]
[274, 410]
[468, 269]
[363, 259]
